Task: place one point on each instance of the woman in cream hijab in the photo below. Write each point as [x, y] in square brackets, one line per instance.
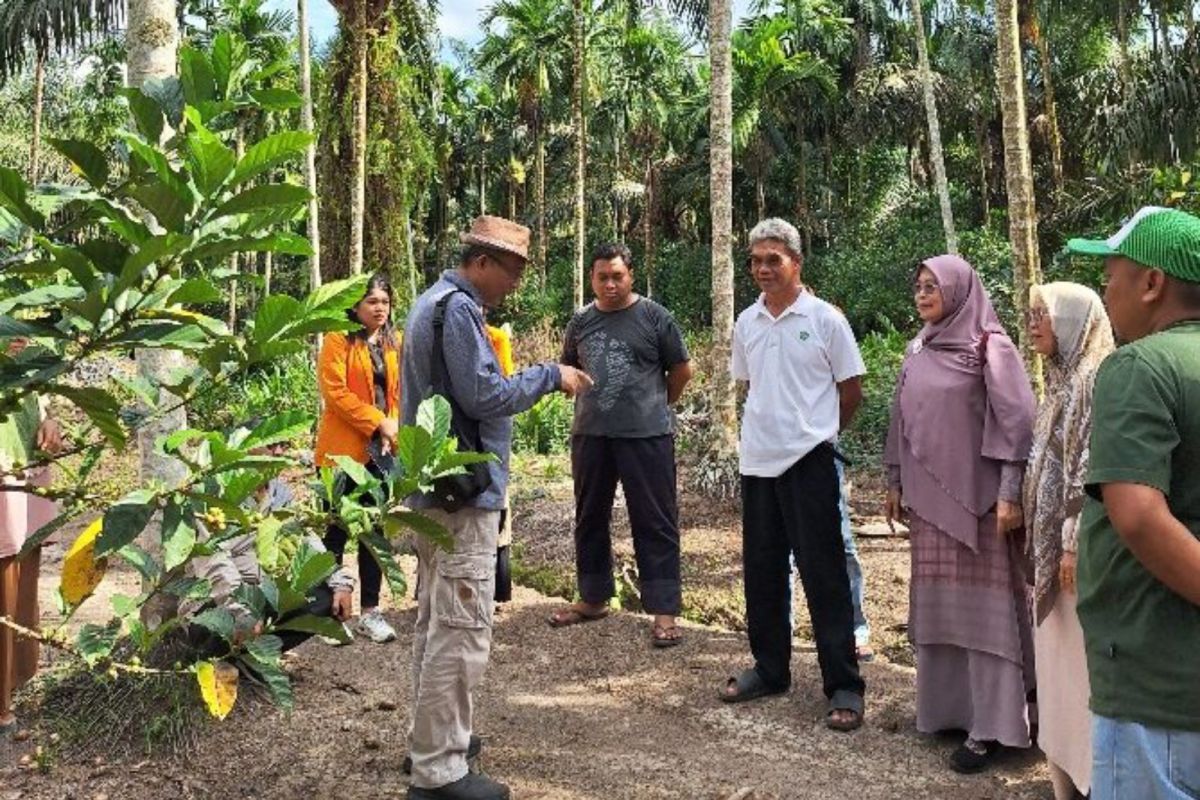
[1069, 327]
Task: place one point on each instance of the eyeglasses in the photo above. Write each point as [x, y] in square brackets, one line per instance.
[925, 288]
[1036, 315]
[773, 262]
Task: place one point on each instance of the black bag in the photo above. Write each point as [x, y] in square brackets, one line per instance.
[453, 492]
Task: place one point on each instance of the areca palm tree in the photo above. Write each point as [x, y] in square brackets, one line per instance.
[38, 29]
[935, 128]
[528, 49]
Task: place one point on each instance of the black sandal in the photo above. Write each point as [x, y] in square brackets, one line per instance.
[967, 761]
[749, 685]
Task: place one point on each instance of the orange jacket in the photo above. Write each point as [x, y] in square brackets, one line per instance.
[501, 341]
[347, 382]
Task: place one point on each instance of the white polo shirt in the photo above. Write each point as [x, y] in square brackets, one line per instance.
[793, 363]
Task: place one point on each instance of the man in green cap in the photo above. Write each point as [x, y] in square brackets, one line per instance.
[1139, 551]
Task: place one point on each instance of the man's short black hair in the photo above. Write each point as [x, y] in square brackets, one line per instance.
[474, 251]
[611, 250]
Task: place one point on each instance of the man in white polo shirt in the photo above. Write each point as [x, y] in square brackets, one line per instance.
[804, 369]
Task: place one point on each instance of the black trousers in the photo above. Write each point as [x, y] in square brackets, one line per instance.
[646, 470]
[798, 514]
[370, 574]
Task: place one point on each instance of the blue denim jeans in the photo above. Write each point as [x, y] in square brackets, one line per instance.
[862, 629]
[1131, 760]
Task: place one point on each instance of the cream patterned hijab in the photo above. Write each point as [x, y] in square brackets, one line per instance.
[1054, 483]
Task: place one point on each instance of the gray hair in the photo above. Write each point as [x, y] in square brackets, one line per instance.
[781, 231]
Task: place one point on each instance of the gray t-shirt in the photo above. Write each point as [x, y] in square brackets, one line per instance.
[627, 353]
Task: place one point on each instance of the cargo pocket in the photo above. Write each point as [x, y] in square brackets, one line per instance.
[465, 586]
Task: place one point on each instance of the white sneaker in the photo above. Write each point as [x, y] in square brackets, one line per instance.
[375, 627]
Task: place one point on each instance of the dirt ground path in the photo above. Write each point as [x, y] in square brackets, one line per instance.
[591, 712]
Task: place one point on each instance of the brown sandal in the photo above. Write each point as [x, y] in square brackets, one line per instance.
[665, 635]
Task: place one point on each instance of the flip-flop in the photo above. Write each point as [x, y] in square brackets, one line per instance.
[660, 635]
[749, 685]
[566, 617]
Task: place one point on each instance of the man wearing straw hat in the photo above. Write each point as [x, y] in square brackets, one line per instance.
[447, 352]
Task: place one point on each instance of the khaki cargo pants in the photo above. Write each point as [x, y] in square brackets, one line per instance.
[452, 641]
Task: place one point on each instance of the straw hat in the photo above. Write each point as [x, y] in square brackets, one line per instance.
[499, 234]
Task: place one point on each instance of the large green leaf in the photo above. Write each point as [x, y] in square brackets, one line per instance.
[381, 549]
[178, 535]
[167, 92]
[319, 626]
[280, 242]
[218, 620]
[279, 428]
[87, 159]
[73, 261]
[335, 297]
[142, 561]
[158, 163]
[100, 407]
[13, 191]
[196, 75]
[156, 250]
[41, 297]
[273, 317]
[165, 204]
[413, 448]
[310, 568]
[272, 151]
[124, 521]
[96, 642]
[194, 292]
[223, 54]
[262, 655]
[433, 415]
[146, 114]
[258, 198]
[396, 522]
[43, 533]
[10, 327]
[276, 99]
[208, 159]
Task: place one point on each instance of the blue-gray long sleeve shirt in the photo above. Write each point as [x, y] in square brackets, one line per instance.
[476, 382]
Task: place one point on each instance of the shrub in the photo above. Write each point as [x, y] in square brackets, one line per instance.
[545, 428]
[883, 353]
[288, 384]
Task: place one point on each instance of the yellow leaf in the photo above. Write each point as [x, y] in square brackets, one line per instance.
[218, 686]
[81, 572]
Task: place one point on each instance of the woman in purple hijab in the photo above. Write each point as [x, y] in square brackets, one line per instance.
[961, 431]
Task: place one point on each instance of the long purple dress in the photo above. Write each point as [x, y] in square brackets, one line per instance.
[960, 432]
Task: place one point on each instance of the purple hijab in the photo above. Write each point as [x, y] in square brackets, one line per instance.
[963, 406]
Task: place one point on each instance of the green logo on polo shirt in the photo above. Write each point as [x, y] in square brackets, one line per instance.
[804, 336]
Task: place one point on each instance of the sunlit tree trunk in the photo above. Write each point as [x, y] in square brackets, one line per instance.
[358, 192]
[578, 98]
[540, 194]
[1018, 172]
[648, 229]
[1047, 66]
[935, 130]
[39, 100]
[310, 153]
[234, 261]
[151, 40]
[720, 24]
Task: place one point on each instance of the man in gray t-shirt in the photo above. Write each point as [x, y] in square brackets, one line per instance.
[624, 430]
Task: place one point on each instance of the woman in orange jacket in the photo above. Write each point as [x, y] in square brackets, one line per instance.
[359, 377]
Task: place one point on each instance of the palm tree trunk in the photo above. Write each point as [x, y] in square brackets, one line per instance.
[39, 99]
[540, 196]
[983, 146]
[240, 144]
[1124, 68]
[268, 269]
[1018, 172]
[720, 24]
[1047, 65]
[483, 182]
[935, 131]
[310, 152]
[578, 93]
[648, 229]
[802, 205]
[151, 41]
[358, 192]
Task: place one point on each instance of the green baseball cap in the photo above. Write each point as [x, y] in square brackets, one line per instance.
[1161, 238]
